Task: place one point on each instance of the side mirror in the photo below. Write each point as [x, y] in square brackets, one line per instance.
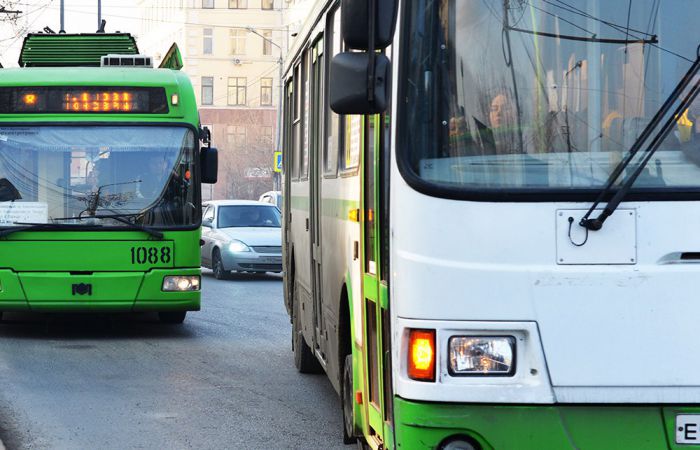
[354, 17]
[209, 161]
[349, 86]
[207, 223]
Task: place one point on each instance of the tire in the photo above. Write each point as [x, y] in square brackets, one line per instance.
[304, 359]
[217, 265]
[172, 317]
[347, 402]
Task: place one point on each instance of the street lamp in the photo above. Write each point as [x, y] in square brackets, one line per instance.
[278, 146]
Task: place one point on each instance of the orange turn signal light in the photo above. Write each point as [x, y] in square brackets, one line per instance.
[421, 355]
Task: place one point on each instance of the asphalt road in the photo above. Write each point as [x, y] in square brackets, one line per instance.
[225, 379]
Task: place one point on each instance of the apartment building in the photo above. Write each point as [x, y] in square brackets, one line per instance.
[233, 51]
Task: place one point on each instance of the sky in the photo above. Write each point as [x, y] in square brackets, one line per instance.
[80, 17]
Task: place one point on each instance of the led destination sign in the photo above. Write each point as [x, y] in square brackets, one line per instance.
[83, 100]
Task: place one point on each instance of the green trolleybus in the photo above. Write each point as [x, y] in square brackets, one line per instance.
[491, 220]
[100, 173]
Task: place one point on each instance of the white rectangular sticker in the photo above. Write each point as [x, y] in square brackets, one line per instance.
[688, 429]
[25, 212]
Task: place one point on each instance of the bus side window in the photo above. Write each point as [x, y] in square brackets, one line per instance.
[305, 125]
[296, 127]
[334, 128]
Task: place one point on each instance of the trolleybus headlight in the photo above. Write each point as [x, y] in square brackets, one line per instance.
[482, 355]
[238, 246]
[421, 355]
[181, 283]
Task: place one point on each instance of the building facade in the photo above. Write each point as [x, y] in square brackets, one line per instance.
[233, 51]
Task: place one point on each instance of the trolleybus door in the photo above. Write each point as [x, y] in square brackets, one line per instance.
[316, 133]
[375, 272]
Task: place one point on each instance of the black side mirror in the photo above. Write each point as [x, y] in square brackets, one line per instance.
[349, 89]
[354, 17]
[209, 161]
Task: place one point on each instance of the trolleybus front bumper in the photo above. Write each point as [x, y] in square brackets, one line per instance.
[97, 291]
[424, 425]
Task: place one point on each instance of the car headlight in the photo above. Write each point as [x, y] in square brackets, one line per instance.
[181, 283]
[482, 355]
[238, 246]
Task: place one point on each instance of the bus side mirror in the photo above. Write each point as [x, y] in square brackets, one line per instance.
[350, 87]
[354, 17]
[209, 162]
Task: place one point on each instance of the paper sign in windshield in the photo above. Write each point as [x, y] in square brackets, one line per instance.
[12, 213]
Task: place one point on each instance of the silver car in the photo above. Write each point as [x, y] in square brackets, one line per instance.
[242, 236]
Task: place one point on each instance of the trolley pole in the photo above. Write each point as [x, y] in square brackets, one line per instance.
[99, 14]
[63, 17]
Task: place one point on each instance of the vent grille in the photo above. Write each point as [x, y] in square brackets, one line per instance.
[127, 61]
[62, 50]
[268, 249]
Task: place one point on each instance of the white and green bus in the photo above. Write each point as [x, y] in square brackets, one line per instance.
[491, 222]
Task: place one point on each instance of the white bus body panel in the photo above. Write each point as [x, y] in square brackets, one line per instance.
[621, 333]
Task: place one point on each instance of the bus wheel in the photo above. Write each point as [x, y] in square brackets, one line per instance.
[217, 265]
[304, 359]
[347, 402]
[172, 317]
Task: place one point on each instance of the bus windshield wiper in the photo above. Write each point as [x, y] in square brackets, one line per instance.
[657, 139]
[26, 226]
[120, 218]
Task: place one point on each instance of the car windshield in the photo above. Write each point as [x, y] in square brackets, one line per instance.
[80, 174]
[249, 216]
[509, 95]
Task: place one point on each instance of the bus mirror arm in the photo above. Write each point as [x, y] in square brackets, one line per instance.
[209, 162]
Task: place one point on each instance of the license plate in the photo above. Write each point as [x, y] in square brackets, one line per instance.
[688, 429]
[271, 259]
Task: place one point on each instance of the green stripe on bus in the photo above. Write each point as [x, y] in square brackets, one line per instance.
[330, 207]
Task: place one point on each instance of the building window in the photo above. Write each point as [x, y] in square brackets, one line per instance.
[267, 135]
[268, 4]
[208, 4]
[239, 135]
[238, 38]
[238, 4]
[207, 90]
[237, 91]
[267, 42]
[266, 91]
[208, 43]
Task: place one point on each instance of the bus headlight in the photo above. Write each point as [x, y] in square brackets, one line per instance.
[482, 355]
[181, 283]
[238, 246]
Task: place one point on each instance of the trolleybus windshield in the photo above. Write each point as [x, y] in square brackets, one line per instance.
[515, 96]
[84, 174]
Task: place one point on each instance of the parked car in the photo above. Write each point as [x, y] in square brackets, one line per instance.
[273, 197]
[241, 236]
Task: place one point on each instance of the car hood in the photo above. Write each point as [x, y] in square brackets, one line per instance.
[263, 236]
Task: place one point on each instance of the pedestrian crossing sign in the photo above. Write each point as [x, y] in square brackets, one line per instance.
[278, 161]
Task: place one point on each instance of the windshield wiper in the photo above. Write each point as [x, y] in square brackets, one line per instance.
[120, 218]
[25, 226]
[658, 138]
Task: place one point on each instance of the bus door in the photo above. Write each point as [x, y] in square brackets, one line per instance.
[375, 287]
[317, 140]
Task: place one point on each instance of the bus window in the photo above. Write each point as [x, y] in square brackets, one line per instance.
[297, 125]
[304, 156]
[334, 130]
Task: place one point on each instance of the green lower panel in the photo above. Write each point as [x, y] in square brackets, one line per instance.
[108, 291]
[506, 427]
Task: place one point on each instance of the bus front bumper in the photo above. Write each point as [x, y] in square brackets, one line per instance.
[422, 425]
[98, 291]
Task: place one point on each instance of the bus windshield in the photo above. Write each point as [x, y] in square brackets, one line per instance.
[513, 96]
[85, 174]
